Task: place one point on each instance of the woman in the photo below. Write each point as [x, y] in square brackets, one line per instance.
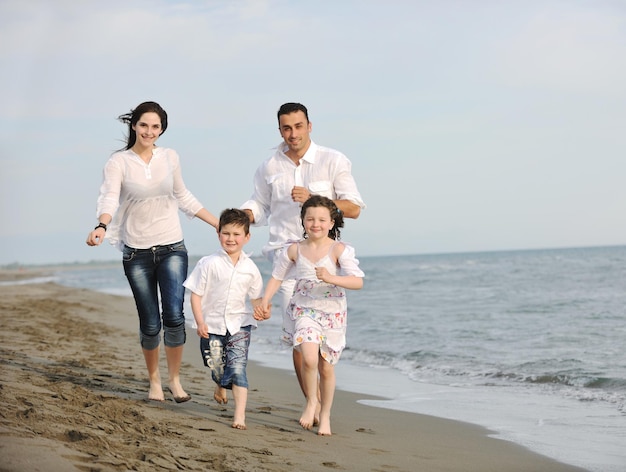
[137, 209]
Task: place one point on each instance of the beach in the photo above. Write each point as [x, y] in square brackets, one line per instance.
[73, 397]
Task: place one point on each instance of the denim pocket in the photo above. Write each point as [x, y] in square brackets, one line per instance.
[128, 254]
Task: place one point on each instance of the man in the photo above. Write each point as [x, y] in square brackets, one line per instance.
[298, 169]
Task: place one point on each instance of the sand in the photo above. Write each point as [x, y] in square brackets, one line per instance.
[73, 397]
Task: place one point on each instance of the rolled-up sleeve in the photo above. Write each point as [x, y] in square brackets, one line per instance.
[259, 202]
[344, 184]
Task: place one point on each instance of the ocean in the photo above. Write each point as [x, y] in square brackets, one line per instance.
[529, 344]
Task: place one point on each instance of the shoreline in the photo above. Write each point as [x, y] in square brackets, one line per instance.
[73, 394]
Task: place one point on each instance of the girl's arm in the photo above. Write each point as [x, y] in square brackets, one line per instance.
[263, 306]
[281, 269]
[270, 290]
[345, 258]
[351, 282]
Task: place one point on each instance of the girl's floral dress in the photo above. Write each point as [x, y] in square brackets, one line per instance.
[320, 309]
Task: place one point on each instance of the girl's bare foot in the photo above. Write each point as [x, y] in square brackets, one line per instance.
[324, 428]
[220, 396]
[156, 392]
[307, 420]
[239, 425]
[316, 419]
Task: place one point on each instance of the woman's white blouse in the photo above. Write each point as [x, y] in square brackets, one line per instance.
[144, 199]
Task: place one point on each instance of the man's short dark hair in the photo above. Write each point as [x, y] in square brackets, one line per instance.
[290, 107]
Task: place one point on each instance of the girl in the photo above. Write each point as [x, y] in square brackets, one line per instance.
[140, 196]
[324, 268]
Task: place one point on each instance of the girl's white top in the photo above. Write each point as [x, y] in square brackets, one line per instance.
[284, 268]
[144, 199]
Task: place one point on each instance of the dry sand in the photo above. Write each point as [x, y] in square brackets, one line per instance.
[73, 398]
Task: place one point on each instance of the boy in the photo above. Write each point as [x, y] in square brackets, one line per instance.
[219, 285]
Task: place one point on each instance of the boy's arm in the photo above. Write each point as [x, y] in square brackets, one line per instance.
[196, 308]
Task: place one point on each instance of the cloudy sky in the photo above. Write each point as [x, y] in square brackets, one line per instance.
[471, 125]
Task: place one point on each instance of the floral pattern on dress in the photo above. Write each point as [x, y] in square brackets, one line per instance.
[319, 309]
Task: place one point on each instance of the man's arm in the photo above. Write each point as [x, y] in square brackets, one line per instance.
[250, 215]
[349, 209]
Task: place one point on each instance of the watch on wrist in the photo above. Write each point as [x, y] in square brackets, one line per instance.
[101, 225]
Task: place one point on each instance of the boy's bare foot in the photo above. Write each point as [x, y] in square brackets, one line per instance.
[156, 393]
[220, 395]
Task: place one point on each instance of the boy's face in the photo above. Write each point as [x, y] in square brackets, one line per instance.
[233, 238]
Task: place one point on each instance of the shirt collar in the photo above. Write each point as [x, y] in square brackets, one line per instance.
[309, 156]
[243, 256]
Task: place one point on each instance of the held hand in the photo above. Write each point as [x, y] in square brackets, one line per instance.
[322, 274]
[96, 237]
[262, 312]
[258, 313]
[300, 194]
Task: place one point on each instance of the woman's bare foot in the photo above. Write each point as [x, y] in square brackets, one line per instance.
[220, 396]
[156, 392]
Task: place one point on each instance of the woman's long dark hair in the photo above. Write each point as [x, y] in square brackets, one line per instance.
[335, 214]
[133, 116]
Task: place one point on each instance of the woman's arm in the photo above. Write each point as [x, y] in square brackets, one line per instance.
[96, 236]
[208, 217]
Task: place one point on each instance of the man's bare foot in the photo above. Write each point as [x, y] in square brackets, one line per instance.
[156, 393]
[220, 395]
[239, 426]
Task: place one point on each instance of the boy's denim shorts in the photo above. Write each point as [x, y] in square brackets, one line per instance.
[227, 357]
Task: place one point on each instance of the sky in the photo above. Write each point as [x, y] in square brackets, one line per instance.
[480, 125]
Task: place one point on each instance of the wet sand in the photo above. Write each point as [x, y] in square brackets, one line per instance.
[73, 397]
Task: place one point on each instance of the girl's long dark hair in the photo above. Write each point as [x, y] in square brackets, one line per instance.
[335, 214]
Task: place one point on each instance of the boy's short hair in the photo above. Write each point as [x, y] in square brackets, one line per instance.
[234, 216]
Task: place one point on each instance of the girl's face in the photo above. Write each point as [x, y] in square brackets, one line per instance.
[317, 222]
[148, 129]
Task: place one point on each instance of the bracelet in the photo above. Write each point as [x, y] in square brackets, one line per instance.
[101, 225]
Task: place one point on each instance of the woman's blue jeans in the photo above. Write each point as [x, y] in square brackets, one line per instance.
[165, 267]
